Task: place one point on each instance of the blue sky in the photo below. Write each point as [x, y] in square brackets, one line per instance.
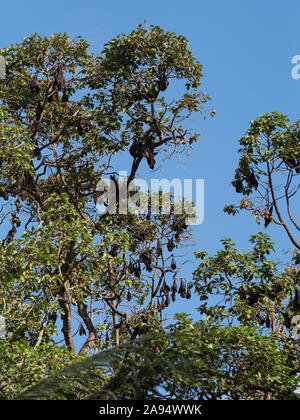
[246, 48]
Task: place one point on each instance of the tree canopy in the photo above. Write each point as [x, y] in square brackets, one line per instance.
[106, 277]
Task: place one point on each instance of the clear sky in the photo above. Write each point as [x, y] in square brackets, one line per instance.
[246, 48]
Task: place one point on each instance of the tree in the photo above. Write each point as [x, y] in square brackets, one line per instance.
[269, 170]
[65, 112]
[113, 274]
[195, 361]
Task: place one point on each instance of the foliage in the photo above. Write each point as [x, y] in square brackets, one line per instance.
[64, 113]
[185, 361]
[268, 171]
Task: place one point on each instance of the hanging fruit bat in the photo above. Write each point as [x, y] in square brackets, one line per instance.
[173, 296]
[11, 234]
[18, 205]
[140, 91]
[65, 97]
[140, 149]
[59, 80]
[268, 322]
[179, 225]
[146, 258]
[38, 112]
[177, 236]
[15, 220]
[128, 297]
[136, 149]
[113, 251]
[162, 306]
[260, 320]
[83, 126]
[131, 267]
[149, 154]
[253, 181]
[174, 286]
[52, 317]
[287, 320]
[173, 263]
[163, 83]
[151, 94]
[167, 301]
[137, 270]
[188, 294]
[268, 217]
[170, 245]
[182, 290]
[297, 300]
[165, 289]
[37, 153]
[290, 162]
[35, 85]
[158, 249]
[4, 194]
[52, 96]
[253, 298]
[238, 185]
